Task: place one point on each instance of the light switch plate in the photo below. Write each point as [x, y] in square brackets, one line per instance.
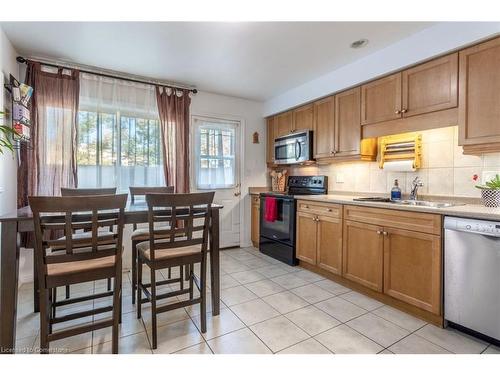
[339, 178]
[489, 175]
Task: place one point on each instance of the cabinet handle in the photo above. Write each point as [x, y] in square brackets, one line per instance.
[404, 110]
[397, 111]
[385, 233]
[329, 209]
[379, 232]
[306, 206]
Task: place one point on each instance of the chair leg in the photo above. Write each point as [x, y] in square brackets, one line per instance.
[44, 321]
[117, 297]
[203, 293]
[153, 307]
[54, 300]
[187, 272]
[67, 291]
[181, 276]
[169, 272]
[109, 284]
[134, 270]
[191, 275]
[139, 290]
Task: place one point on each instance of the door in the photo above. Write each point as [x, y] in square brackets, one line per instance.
[324, 127]
[270, 140]
[283, 124]
[363, 254]
[215, 167]
[330, 244]
[306, 237]
[348, 122]
[303, 118]
[412, 268]
[431, 86]
[479, 94]
[255, 234]
[381, 100]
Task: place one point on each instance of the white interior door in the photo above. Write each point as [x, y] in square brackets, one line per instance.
[215, 166]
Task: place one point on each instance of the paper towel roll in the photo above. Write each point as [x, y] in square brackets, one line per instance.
[399, 166]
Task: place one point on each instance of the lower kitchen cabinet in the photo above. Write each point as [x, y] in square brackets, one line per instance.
[363, 254]
[412, 268]
[329, 244]
[306, 237]
[255, 230]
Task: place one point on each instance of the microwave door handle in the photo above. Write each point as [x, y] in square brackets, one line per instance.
[297, 155]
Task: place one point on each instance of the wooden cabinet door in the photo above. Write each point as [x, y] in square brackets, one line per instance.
[330, 244]
[270, 140]
[303, 118]
[324, 125]
[381, 100]
[348, 122]
[431, 86]
[306, 237]
[255, 234]
[479, 94]
[412, 268]
[363, 254]
[283, 124]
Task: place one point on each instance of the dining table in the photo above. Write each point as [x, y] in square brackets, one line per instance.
[21, 221]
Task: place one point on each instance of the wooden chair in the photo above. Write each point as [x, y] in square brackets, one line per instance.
[81, 259]
[142, 234]
[73, 192]
[184, 243]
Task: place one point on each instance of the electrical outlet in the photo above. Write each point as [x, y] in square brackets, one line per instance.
[489, 175]
[339, 178]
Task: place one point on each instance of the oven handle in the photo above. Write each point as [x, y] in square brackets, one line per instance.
[297, 156]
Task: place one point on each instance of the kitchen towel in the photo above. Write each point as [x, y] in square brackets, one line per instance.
[271, 209]
[399, 166]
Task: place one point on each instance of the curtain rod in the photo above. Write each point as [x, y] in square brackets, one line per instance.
[23, 60]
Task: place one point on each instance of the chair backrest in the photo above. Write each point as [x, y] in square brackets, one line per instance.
[70, 214]
[72, 192]
[143, 190]
[188, 216]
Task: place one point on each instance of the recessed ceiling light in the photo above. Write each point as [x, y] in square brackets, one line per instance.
[359, 43]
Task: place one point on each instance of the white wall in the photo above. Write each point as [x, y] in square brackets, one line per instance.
[430, 42]
[254, 172]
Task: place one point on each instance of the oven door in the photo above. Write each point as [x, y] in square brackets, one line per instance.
[283, 228]
[292, 149]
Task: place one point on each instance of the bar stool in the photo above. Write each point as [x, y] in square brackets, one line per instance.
[142, 234]
[92, 258]
[184, 243]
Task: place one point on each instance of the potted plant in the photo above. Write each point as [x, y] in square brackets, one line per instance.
[490, 191]
[6, 136]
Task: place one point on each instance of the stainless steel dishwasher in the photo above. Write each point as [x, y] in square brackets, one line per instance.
[472, 275]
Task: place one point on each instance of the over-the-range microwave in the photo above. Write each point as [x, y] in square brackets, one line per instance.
[294, 148]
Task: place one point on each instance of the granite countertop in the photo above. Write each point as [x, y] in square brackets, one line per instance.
[475, 211]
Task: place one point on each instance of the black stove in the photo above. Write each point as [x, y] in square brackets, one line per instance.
[277, 236]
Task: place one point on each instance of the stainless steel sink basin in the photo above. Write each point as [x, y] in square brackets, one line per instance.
[427, 204]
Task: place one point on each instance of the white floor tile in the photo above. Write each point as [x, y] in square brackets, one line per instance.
[379, 330]
[254, 311]
[310, 346]
[279, 333]
[340, 309]
[243, 341]
[344, 340]
[312, 320]
[285, 302]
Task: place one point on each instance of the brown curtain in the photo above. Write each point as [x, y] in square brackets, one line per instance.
[48, 161]
[173, 108]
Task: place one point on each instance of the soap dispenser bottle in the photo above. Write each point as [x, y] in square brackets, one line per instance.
[396, 191]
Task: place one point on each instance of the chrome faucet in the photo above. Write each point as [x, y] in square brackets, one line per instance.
[417, 182]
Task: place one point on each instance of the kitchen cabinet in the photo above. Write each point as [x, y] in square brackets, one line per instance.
[270, 140]
[283, 124]
[381, 100]
[479, 98]
[430, 87]
[255, 218]
[363, 254]
[303, 118]
[319, 235]
[324, 126]
[347, 123]
[412, 268]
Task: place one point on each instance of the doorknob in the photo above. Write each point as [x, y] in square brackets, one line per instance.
[237, 194]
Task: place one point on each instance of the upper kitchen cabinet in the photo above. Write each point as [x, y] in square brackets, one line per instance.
[270, 140]
[381, 100]
[283, 124]
[324, 125]
[347, 123]
[431, 86]
[303, 118]
[479, 98]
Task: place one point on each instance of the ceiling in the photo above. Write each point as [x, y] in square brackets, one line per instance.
[253, 60]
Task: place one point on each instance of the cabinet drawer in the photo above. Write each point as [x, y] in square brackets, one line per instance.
[414, 221]
[325, 209]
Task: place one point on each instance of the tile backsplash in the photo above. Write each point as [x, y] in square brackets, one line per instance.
[445, 170]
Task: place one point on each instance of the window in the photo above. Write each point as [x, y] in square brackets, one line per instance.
[215, 153]
[118, 150]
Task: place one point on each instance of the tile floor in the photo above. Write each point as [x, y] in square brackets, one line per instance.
[266, 307]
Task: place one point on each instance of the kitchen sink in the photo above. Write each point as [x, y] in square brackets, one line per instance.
[427, 204]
